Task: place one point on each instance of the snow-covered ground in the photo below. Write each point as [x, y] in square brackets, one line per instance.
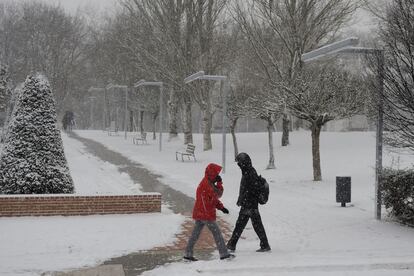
[308, 231]
[32, 245]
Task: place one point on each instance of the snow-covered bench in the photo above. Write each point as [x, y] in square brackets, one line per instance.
[140, 137]
[188, 151]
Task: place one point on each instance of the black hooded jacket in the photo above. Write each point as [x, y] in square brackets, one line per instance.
[248, 193]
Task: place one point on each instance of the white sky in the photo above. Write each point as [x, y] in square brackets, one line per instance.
[362, 22]
[72, 5]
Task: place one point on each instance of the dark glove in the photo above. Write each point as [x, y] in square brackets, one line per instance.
[225, 210]
[218, 179]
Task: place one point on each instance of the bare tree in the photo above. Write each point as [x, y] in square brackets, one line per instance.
[150, 104]
[397, 33]
[321, 94]
[263, 105]
[37, 37]
[172, 39]
[236, 100]
[280, 31]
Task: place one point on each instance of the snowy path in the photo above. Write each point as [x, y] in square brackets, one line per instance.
[178, 202]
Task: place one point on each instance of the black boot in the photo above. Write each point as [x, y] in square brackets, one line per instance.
[192, 259]
[231, 248]
[264, 249]
[229, 256]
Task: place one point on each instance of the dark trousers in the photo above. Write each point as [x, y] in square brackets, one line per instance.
[241, 223]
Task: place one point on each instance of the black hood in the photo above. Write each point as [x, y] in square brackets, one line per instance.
[243, 160]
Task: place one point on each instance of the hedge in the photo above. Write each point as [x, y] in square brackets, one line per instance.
[398, 194]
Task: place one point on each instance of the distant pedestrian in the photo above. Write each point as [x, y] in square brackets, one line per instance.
[248, 200]
[207, 201]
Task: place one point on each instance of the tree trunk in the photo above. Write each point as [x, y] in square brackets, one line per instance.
[270, 129]
[173, 114]
[316, 158]
[154, 126]
[285, 134]
[141, 121]
[131, 120]
[187, 123]
[206, 111]
[233, 135]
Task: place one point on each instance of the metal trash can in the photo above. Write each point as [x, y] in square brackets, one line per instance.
[343, 190]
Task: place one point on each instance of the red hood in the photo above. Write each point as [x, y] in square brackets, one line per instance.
[212, 171]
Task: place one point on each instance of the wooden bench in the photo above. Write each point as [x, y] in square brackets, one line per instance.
[140, 137]
[189, 152]
[112, 129]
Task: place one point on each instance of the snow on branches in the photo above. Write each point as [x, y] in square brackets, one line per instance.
[32, 160]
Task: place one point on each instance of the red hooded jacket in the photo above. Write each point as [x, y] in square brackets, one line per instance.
[207, 197]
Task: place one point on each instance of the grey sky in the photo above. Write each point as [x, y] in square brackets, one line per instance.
[72, 5]
[362, 20]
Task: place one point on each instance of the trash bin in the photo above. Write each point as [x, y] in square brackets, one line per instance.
[343, 190]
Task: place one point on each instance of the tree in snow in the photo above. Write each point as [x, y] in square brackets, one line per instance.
[169, 40]
[32, 160]
[37, 36]
[397, 33]
[279, 32]
[148, 101]
[265, 104]
[321, 94]
[238, 95]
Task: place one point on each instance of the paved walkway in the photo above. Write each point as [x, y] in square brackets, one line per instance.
[136, 263]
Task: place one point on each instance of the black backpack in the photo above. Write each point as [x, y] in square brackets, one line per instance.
[263, 189]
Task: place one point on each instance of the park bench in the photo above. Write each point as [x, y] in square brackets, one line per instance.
[188, 151]
[112, 129]
[140, 137]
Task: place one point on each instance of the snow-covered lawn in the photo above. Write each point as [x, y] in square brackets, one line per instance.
[32, 245]
[308, 231]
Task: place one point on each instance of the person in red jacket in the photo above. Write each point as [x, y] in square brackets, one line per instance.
[207, 201]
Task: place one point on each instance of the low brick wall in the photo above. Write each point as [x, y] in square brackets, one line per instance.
[74, 205]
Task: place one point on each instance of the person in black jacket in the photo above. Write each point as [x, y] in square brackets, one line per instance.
[249, 203]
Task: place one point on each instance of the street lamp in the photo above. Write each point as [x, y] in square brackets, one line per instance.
[98, 89]
[330, 49]
[346, 47]
[110, 86]
[92, 99]
[200, 75]
[160, 85]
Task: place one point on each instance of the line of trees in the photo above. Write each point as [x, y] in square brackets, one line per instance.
[257, 43]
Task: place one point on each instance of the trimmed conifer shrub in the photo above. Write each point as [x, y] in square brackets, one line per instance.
[32, 160]
[398, 194]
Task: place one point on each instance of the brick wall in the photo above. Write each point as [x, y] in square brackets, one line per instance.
[73, 205]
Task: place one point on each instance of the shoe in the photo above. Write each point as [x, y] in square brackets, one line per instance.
[264, 249]
[231, 248]
[192, 259]
[230, 256]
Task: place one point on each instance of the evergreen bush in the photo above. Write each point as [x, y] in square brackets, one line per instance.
[32, 160]
[398, 194]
